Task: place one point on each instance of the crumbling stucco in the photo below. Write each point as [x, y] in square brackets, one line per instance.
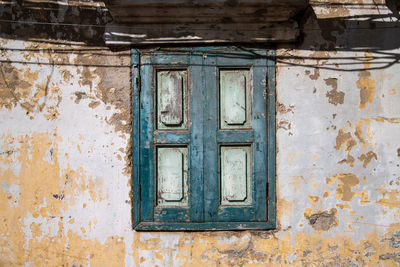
[65, 172]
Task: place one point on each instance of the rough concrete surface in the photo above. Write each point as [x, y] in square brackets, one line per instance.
[65, 171]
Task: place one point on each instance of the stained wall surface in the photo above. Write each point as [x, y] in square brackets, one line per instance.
[65, 146]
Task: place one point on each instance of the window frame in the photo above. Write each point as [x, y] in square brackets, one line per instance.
[138, 223]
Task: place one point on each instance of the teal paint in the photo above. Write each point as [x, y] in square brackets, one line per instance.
[196, 149]
[147, 185]
[207, 226]
[211, 163]
[255, 62]
[135, 137]
[204, 138]
[271, 131]
[150, 67]
[171, 137]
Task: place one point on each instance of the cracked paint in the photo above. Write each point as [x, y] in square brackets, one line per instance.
[65, 156]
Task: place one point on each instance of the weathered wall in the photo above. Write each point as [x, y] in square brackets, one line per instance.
[65, 157]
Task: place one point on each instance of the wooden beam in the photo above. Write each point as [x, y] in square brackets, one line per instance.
[201, 33]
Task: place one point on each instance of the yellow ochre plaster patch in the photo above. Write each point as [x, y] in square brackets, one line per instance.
[366, 84]
[45, 192]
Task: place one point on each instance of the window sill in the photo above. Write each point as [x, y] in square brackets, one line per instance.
[208, 226]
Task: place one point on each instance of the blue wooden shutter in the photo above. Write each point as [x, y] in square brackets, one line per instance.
[246, 137]
[163, 136]
[204, 139]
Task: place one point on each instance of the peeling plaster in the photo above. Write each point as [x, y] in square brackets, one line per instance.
[65, 166]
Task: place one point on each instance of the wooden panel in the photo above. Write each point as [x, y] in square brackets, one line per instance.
[147, 164]
[172, 33]
[212, 3]
[210, 146]
[171, 99]
[134, 11]
[135, 138]
[222, 21]
[171, 137]
[206, 226]
[271, 137]
[221, 14]
[234, 99]
[203, 209]
[172, 176]
[196, 147]
[235, 175]
[231, 59]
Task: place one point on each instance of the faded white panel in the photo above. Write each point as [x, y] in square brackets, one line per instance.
[171, 106]
[235, 175]
[235, 99]
[172, 175]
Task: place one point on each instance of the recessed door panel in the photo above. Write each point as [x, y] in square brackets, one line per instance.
[234, 99]
[172, 175]
[171, 93]
[235, 175]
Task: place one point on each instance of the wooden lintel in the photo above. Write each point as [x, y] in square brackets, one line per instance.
[194, 33]
[205, 21]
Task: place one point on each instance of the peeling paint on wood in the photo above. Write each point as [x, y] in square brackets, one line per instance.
[235, 175]
[171, 99]
[172, 176]
[235, 95]
[215, 21]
